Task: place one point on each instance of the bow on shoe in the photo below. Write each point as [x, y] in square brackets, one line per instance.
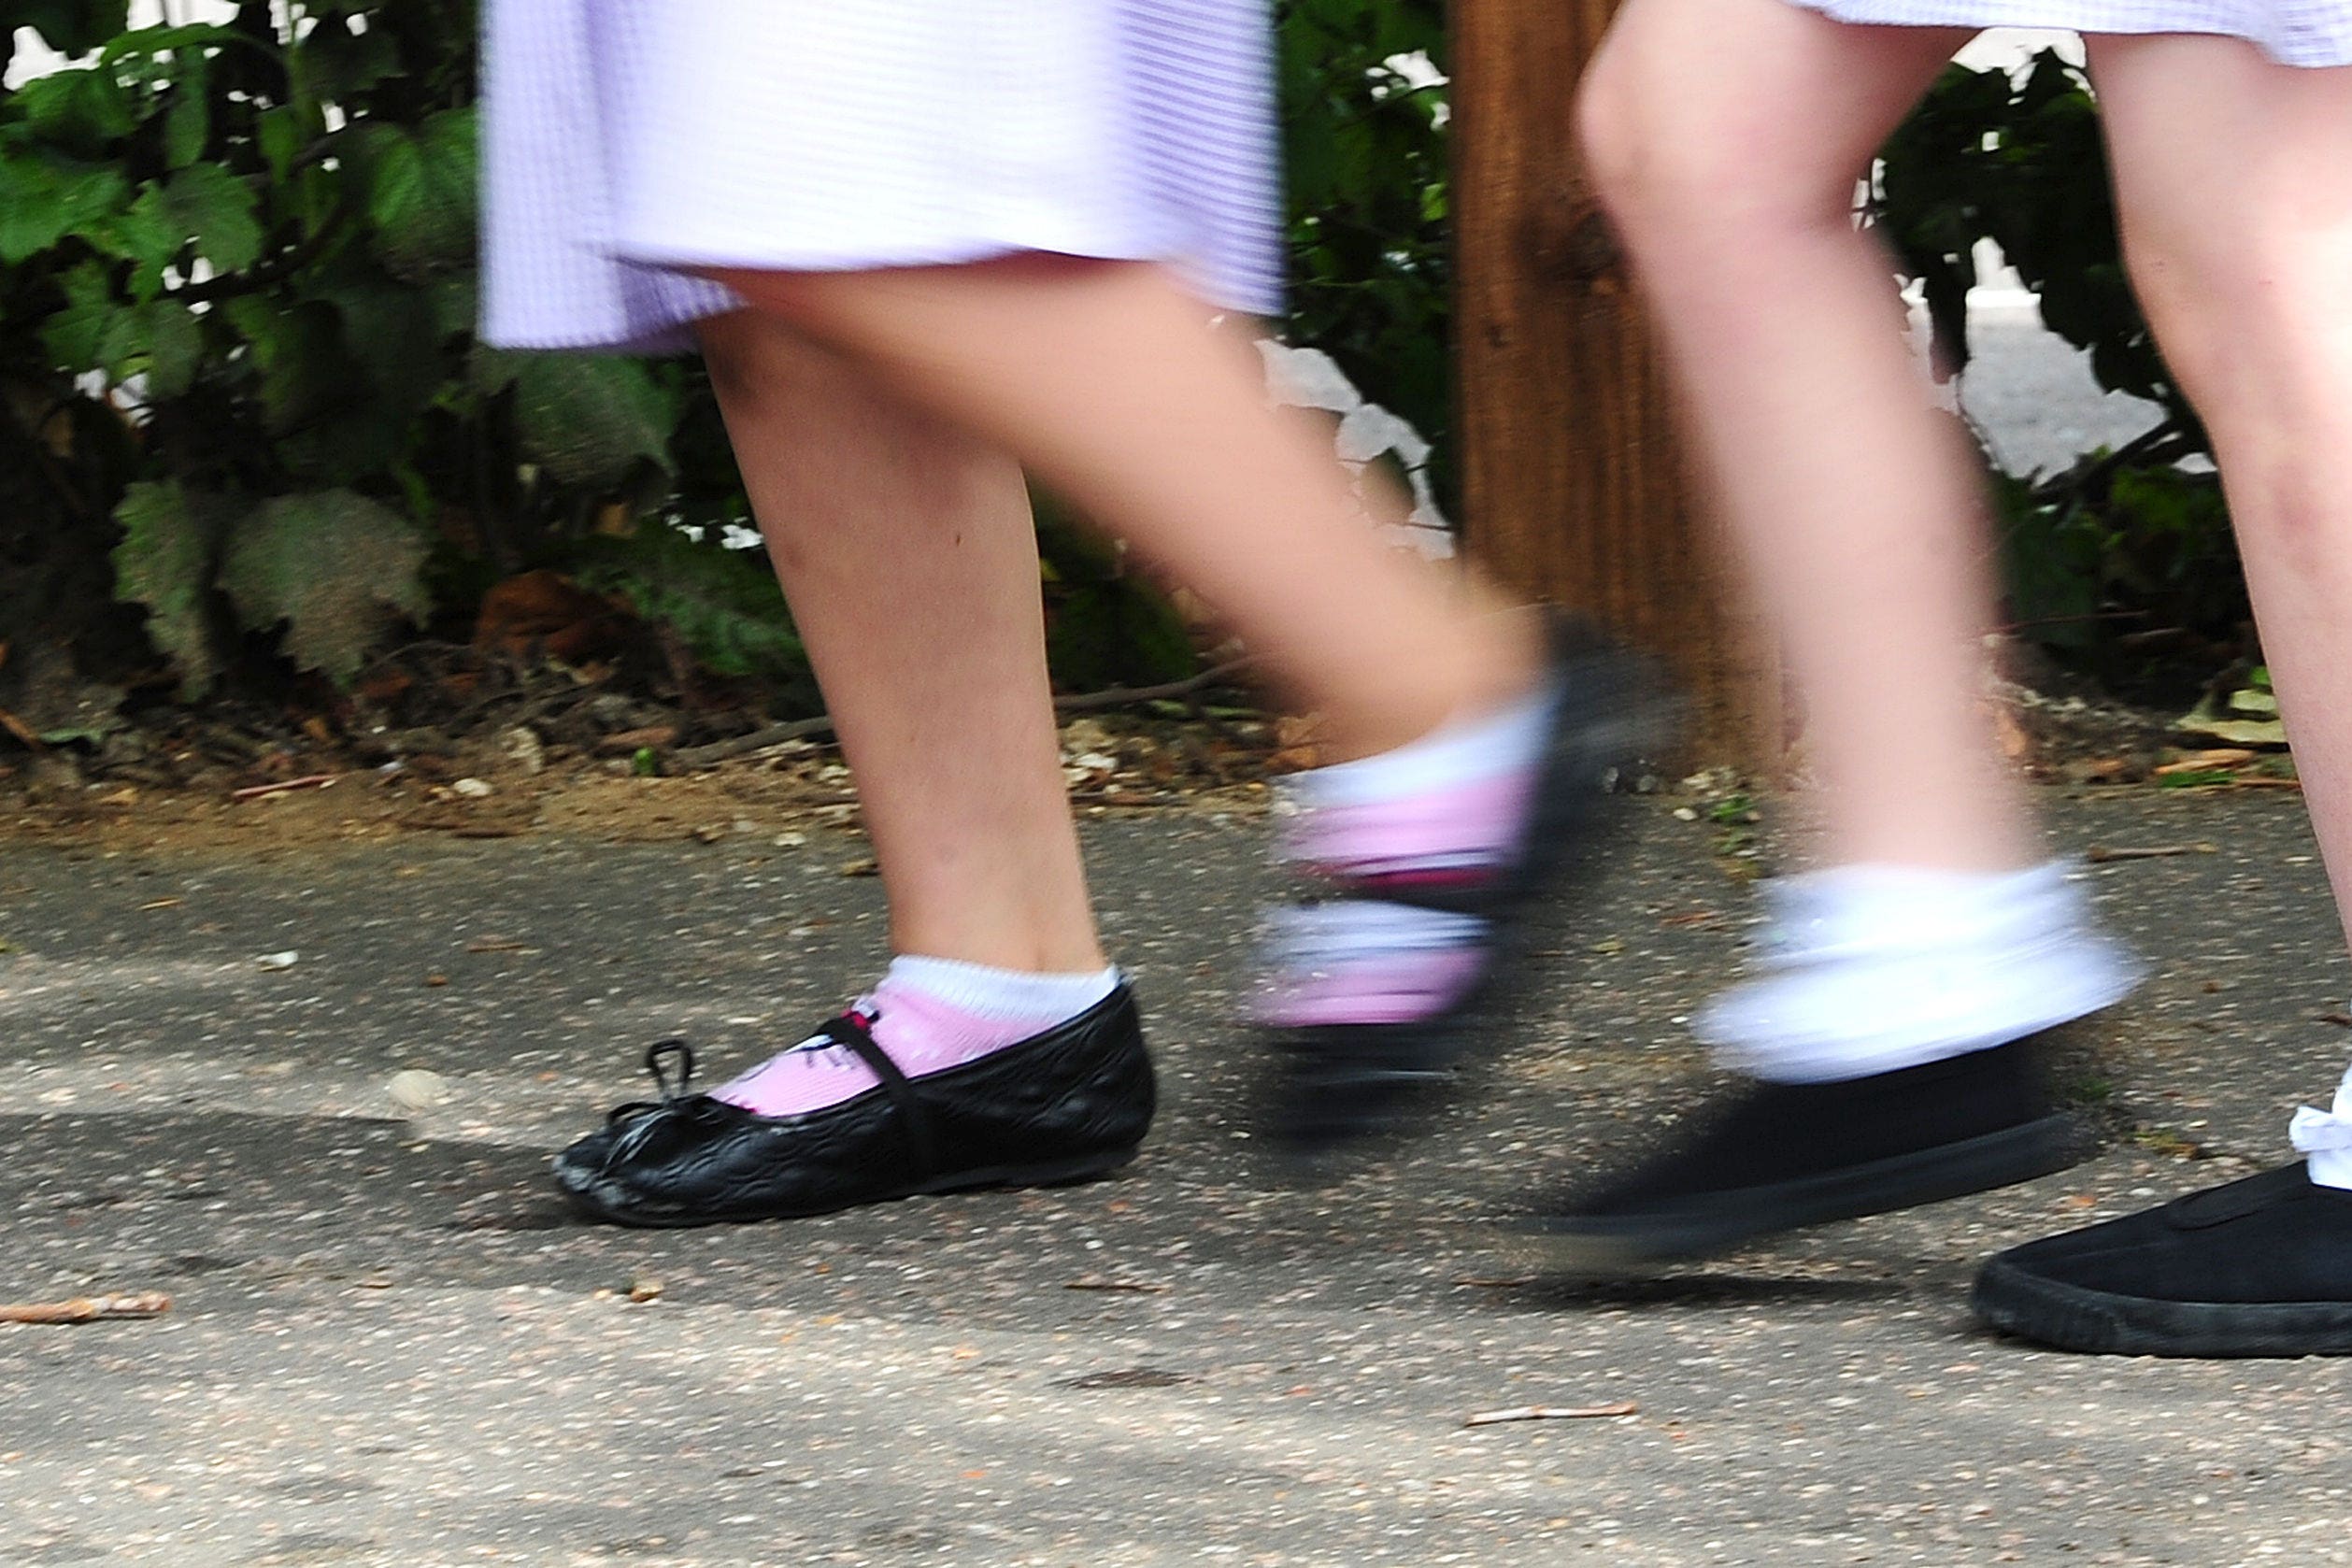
[671, 1063]
[2326, 1136]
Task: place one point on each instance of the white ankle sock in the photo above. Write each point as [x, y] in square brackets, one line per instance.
[1872, 968]
[2324, 1138]
[989, 992]
[1460, 751]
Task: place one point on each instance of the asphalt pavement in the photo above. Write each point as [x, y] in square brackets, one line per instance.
[388, 1345]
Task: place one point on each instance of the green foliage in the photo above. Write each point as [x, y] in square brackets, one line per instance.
[333, 568]
[2020, 161]
[249, 247]
[724, 604]
[2124, 540]
[1371, 241]
[167, 560]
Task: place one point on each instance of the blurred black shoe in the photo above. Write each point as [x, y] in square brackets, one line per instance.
[1780, 1156]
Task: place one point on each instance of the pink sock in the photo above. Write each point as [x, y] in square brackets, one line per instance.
[983, 1010]
[1446, 811]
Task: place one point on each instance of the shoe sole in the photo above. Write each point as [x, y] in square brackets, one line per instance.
[1571, 1247]
[1063, 1172]
[2075, 1317]
[1561, 841]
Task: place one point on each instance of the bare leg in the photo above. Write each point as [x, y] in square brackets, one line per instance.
[1105, 380]
[2230, 176]
[906, 551]
[1893, 1037]
[2237, 226]
[1726, 137]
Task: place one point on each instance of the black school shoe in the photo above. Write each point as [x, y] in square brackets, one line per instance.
[1780, 1156]
[1064, 1105]
[2259, 1267]
[1333, 1085]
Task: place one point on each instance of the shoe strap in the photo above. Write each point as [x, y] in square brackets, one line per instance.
[851, 1031]
[1477, 891]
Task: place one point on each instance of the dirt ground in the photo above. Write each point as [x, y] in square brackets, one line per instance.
[499, 790]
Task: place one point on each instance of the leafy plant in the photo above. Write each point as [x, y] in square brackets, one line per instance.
[237, 299]
[2123, 541]
[1372, 274]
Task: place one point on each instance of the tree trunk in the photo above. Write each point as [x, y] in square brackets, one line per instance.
[1574, 491]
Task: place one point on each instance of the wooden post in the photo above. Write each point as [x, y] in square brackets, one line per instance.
[1573, 490]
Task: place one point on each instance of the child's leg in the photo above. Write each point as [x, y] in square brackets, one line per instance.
[1105, 380]
[907, 550]
[1893, 1026]
[2232, 181]
[1726, 138]
[1469, 768]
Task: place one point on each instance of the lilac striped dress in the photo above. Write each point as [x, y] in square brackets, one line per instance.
[625, 140]
[2310, 33]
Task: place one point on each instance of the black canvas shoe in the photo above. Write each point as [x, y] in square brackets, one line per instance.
[1780, 1156]
[2258, 1267]
[1331, 1085]
[1064, 1105]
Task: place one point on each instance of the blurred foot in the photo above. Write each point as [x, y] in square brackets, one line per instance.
[1778, 1156]
[1425, 864]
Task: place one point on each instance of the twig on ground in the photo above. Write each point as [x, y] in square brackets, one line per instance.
[758, 740]
[1123, 696]
[22, 730]
[2099, 854]
[1553, 1413]
[87, 1309]
[308, 781]
[1097, 1282]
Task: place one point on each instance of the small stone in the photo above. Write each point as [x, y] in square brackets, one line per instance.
[473, 789]
[278, 960]
[418, 1089]
[647, 1289]
[791, 840]
[522, 745]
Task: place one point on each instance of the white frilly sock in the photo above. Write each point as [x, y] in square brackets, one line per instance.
[1872, 968]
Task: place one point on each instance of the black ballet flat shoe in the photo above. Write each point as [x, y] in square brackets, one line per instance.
[2258, 1267]
[1064, 1105]
[1333, 1086]
[1780, 1156]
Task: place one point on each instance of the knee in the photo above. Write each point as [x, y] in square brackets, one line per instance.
[1674, 171]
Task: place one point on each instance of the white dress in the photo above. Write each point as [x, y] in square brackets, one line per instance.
[2313, 32]
[625, 140]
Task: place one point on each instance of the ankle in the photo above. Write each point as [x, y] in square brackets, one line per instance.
[1500, 664]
